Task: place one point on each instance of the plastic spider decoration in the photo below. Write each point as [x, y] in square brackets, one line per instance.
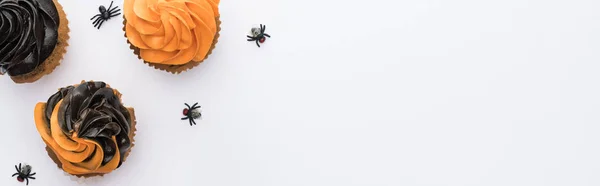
[24, 173]
[105, 14]
[258, 34]
[191, 113]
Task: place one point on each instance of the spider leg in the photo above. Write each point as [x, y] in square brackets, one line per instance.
[257, 44]
[194, 105]
[191, 119]
[197, 107]
[32, 177]
[32, 174]
[115, 15]
[267, 35]
[97, 15]
[188, 106]
[15, 174]
[101, 24]
[17, 168]
[263, 28]
[27, 181]
[96, 21]
[250, 37]
[194, 122]
[111, 9]
[110, 5]
[185, 118]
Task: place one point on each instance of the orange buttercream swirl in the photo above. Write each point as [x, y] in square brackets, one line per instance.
[172, 32]
[86, 127]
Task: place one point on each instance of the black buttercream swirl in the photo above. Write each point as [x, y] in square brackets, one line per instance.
[93, 111]
[28, 34]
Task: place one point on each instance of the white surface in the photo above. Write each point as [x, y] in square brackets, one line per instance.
[347, 93]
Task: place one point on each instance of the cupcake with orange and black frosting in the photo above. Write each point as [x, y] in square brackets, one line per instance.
[86, 128]
[33, 38]
[172, 35]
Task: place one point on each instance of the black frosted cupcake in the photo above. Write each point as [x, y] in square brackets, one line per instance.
[33, 38]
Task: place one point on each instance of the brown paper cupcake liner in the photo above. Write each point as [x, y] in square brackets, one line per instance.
[175, 69]
[57, 54]
[132, 131]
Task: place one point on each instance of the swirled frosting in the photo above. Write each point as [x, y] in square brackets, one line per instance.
[28, 34]
[86, 126]
[172, 32]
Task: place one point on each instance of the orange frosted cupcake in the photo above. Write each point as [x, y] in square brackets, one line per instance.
[86, 129]
[174, 35]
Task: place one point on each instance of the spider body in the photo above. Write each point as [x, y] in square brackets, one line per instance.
[191, 113]
[105, 14]
[24, 173]
[258, 35]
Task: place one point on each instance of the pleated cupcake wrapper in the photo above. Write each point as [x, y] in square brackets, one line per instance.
[132, 132]
[57, 54]
[175, 69]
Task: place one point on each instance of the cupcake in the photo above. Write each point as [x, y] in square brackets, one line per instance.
[174, 35]
[86, 128]
[33, 38]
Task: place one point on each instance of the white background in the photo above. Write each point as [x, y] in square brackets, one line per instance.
[346, 93]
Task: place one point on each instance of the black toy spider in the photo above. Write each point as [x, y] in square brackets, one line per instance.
[191, 113]
[105, 14]
[24, 173]
[258, 34]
